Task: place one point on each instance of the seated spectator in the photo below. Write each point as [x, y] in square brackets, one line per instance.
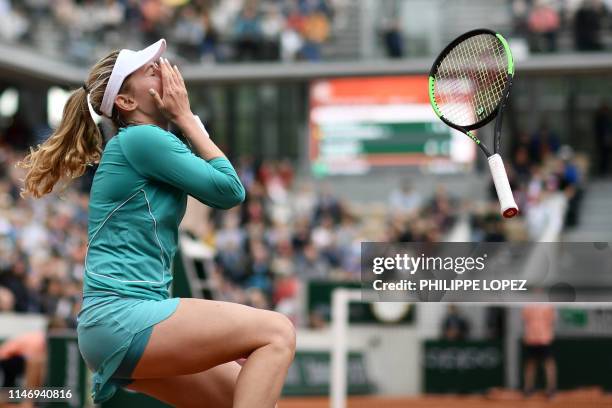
[441, 208]
[15, 279]
[327, 204]
[14, 25]
[155, 16]
[405, 199]
[310, 265]
[544, 142]
[272, 24]
[316, 32]
[248, 34]
[260, 275]
[189, 33]
[393, 39]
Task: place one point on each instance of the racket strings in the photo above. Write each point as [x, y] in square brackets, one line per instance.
[470, 80]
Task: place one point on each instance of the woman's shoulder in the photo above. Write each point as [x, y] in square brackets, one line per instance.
[146, 142]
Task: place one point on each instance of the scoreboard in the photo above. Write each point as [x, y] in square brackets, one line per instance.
[357, 124]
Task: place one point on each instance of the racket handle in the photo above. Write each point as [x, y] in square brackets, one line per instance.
[508, 206]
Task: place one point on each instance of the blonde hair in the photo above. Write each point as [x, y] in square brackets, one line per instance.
[77, 141]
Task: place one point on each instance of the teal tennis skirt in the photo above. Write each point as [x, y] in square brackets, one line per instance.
[113, 332]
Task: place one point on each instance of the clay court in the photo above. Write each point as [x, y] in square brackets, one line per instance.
[587, 398]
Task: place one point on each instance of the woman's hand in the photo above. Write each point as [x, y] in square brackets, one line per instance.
[175, 102]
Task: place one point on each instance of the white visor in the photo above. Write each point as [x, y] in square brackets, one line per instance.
[127, 62]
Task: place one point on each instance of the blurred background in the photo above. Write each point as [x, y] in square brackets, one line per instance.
[322, 107]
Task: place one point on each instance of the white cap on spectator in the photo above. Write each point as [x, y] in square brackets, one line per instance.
[127, 62]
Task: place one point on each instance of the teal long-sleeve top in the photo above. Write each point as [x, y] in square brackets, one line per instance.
[137, 201]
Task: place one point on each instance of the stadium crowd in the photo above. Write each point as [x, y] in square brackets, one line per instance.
[284, 234]
[546, 23]
[197, 30]
[261, 30]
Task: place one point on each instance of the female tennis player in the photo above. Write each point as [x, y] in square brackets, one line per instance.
[130, 332]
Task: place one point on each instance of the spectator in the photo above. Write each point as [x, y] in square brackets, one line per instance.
[538, 336]
[404, 200]
[324, 239]
[543, 23]
[248, 34]
[155, 15]
[544, 143]
[209, 47]
[111, 15]
[304, 201]
[441, 208]
[393, 39]
[14, 279]
[291, 37]
[230, 243]
[24, 354]
[260, 275]
[316, 32]
[272, 25]
[588, 24]
[520, 12]
[246, 171]
[301, 234]
[327, 204]
[201, 30]
[14, 25]
[310, 265]
[189, 33]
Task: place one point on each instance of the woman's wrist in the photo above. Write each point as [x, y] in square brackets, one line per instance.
[196, 135]
[188, 122]
[185, 120]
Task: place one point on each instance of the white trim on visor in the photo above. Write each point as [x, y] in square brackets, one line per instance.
[127, 62]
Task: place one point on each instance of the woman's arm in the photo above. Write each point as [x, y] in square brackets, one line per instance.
[159, 155]
[198, 136]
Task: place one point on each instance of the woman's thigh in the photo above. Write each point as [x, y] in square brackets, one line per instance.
[202, 334]
[212, 388]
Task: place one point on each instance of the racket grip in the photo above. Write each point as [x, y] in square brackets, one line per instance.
[508, 206]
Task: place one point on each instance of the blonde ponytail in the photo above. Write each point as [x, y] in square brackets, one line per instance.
[77, 141]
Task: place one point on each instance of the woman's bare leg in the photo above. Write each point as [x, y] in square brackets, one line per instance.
[215, 386]
[202, 334]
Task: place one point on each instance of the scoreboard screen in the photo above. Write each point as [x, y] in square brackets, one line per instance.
[357, 124]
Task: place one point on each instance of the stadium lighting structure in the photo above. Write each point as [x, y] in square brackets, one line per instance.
[9, 102]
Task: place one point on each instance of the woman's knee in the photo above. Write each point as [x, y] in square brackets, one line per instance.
[282, 333]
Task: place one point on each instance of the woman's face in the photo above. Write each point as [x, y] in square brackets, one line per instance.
[136, 104]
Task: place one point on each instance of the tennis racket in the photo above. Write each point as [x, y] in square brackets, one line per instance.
[469, 84]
